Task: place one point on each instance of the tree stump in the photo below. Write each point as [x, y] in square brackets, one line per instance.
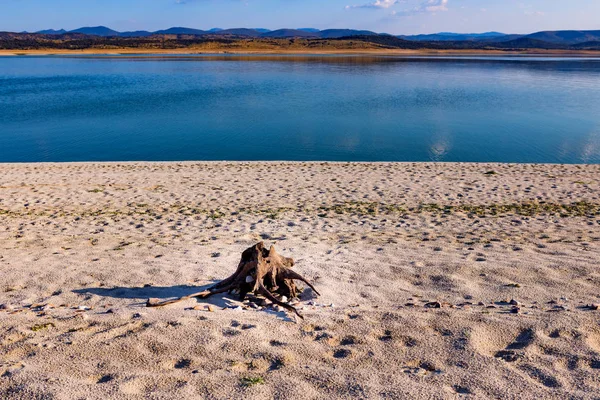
[261, 272]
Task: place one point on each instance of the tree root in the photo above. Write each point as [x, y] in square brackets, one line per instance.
[260, 271]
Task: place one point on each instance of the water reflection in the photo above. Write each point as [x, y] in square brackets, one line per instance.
[440, 147]
[591, 147]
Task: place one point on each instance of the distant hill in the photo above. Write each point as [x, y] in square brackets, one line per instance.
[389, 41]
[135, 34]
[286, 33]
[529, 43]
[52, 32]
[497, 39]
[239, 32]
[258, 32]
[451, 37]
[566, 37]
[315, 33]
[96, 31]
[338, 33]
[595, 45]
[180, 31]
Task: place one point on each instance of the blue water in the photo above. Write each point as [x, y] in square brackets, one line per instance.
[336, 108]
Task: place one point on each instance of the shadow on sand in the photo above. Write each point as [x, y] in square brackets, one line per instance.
[157, 292]
[160, 292]
[169, 292]
[144, 293]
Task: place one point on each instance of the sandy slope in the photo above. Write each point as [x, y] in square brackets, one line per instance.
[379, 241]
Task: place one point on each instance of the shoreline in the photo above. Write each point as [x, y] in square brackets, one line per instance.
[284, 162]
[375, 52]
[188, 163]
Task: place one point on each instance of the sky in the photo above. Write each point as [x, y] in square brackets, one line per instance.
[390, 16]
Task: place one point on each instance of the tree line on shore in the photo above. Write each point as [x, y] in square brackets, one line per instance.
[77, 41]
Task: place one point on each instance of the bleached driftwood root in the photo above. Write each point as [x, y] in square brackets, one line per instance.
[261, 272]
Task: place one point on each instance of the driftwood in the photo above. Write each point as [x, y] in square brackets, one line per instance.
[260, 271]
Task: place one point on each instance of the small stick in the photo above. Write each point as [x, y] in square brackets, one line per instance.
[158, 303]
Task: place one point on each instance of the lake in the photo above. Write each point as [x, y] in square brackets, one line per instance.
[333, 108]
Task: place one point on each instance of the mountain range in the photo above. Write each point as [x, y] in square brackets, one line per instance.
[566, 38]
[253, 33]
[451, 37]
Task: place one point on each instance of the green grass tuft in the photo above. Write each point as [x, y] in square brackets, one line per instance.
[40, 327]
[249, 381]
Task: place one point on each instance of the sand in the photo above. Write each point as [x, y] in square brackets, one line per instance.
[417, 265]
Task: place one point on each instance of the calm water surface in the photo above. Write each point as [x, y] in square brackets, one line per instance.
[299, 108]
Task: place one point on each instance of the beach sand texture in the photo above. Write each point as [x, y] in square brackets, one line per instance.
[417, 265]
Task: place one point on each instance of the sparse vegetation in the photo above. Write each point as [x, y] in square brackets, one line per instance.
[40, 327]
[353, 207]
[216, 214]
[577, 209]
[252, 381]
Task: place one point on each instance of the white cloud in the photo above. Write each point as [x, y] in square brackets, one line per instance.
[435, 5]
[428, 6]
[377, 4]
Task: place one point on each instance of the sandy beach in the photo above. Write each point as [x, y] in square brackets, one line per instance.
[437, 281]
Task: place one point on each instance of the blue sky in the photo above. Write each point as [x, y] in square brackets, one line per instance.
[392, 16]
